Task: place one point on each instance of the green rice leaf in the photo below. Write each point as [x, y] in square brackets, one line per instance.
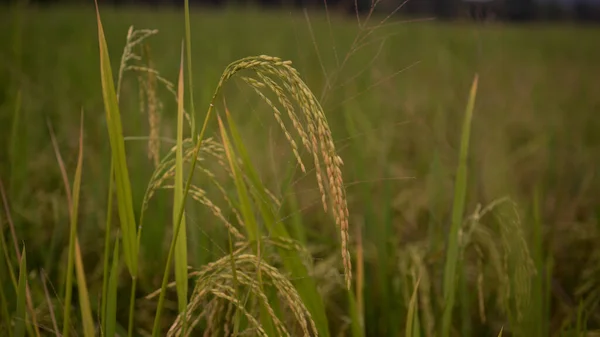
[73, 243]
[460, 191]
[181, 278]
[111, 295]
[117, 144]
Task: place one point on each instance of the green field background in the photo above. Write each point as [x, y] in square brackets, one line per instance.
[395, 109]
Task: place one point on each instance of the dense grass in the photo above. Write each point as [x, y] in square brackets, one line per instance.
[396, 109]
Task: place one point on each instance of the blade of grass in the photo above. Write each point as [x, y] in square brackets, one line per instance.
[244, 199]
[188, 47]
[11, 226]
[460, 191]
[44, 278]
[107, 231]
[119, 158]
[117, 144]
[21, 297]
[73, 237]
[111, 294]
[7, 260]
[84, 298]
[181, 278]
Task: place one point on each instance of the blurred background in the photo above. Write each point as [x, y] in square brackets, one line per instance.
[393, 78]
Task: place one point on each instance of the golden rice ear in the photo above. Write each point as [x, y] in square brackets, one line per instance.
[285, 82]
[216, 283]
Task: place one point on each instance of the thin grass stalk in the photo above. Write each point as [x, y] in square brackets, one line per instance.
[460, 191]
[107, 231]
[188, 47]
[111, 294]
[73, 237]
[20, 318]
[131, 306]
[44, 278]
[181, 278]
[84, 298]
[35, 329]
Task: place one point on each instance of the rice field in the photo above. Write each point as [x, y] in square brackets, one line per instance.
[349, 178]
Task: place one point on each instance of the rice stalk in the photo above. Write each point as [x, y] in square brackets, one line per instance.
[134, 38]
[110, 308]
[317, 141]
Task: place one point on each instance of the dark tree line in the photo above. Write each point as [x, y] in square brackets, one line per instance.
[509, 10]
